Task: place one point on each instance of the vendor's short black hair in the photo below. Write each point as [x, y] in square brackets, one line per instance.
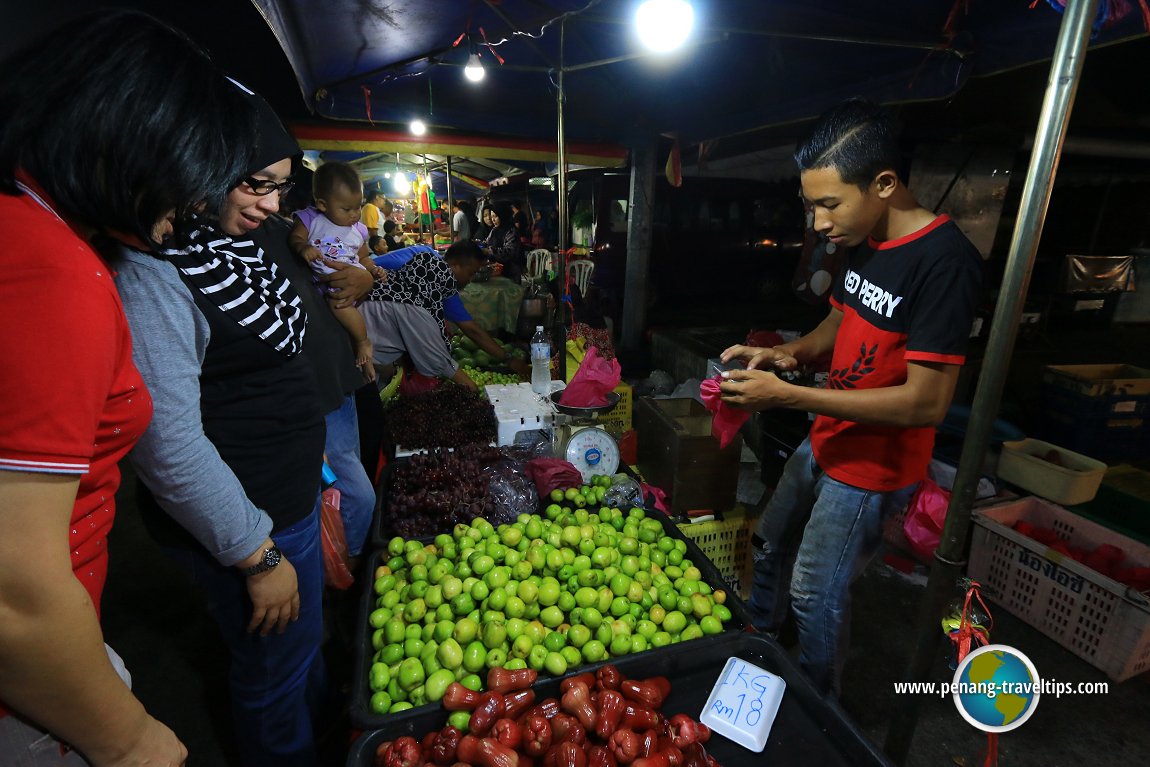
[126, 121]
[388, 226]
[465, 250]
[332, 176]
[858, 138]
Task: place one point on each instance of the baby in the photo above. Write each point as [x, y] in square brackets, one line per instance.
[331, 230]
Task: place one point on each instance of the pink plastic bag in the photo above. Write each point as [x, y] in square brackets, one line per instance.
[727, 420]
[592, 382]
[924, 519]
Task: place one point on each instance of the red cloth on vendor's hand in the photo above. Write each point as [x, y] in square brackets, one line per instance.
[727, 420]
[592, 382]
[551, 473]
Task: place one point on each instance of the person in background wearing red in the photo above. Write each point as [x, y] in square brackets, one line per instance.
[72, 403]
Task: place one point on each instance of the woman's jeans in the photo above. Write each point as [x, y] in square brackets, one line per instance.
[818, 535]
[277, 681]
[356, 494]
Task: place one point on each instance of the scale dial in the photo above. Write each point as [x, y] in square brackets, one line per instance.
[592, 451]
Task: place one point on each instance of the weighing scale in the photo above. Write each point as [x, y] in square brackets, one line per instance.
[579, 439]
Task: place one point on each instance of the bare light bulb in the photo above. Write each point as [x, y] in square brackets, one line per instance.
[401, 184]
[418, 127]
[664, 25]
[474, 70]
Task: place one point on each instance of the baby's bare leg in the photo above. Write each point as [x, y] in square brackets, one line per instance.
[353, 322]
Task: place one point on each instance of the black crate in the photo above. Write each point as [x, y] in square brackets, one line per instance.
[362, 717]
[809, 728]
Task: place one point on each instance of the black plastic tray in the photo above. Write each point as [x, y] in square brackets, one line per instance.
[364, 718]
[379, 538]
[809, 729]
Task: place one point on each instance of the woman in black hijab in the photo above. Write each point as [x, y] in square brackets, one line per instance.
[503, 242]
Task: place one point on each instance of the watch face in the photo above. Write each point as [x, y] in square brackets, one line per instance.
[272, 557]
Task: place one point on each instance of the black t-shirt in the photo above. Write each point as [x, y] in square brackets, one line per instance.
[261, 411]
[327, 344]
[905, 300]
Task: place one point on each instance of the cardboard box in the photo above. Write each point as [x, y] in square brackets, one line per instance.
[678, 454]
[1099, 380]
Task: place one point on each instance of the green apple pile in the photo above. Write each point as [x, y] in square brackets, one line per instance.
[549, 592]
[484, 377]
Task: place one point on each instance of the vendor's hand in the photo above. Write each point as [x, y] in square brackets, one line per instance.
[519, 367]
[348, 283]
[275, 598]
[464, 380]
[755, 390]
[759, 358]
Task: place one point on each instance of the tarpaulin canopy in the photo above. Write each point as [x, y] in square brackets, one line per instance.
[749, 63]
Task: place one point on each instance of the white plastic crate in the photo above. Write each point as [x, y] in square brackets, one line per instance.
[517, 409]
[1100, 620]
[1071, 482]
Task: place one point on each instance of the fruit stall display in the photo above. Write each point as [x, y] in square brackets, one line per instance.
[430, 493]
[598, 719]
[549, 592]
[808, 728]
[447, 416]
[480, 366]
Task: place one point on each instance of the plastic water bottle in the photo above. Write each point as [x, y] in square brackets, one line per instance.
[540, 363]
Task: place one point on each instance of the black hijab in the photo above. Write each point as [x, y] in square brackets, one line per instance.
[233, 272]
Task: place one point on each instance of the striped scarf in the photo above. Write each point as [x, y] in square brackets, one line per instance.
[247, 287]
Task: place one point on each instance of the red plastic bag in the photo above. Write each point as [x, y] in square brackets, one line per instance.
[415, 383]
[924, 518]
[552, 473]
[336, 572]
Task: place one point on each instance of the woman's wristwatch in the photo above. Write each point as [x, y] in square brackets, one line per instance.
[271, 558]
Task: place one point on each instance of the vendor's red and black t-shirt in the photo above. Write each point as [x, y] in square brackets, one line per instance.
[905, 300]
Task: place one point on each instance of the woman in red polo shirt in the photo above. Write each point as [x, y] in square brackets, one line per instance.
[118, 134]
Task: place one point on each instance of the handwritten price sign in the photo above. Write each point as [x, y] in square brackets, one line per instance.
[743, 703]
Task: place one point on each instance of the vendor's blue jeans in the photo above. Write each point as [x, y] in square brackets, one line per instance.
[356, 494]
[277, 681]
[818, 534]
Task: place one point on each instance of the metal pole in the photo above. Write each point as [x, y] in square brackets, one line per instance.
[1065, 71]
[634, 309]
[450, 202]
[559, 333]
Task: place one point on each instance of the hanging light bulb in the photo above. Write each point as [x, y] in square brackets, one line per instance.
[418, 127]
[474, 70]
[664, 25]
[401, 184]
[387, 174]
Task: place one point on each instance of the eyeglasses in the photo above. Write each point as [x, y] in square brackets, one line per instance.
[263, 187]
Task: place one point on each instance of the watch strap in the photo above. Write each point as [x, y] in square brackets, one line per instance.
[271, 558]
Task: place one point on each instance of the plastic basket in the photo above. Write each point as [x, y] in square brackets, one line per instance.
[619, 418]
[1099, 619]
[727, 544]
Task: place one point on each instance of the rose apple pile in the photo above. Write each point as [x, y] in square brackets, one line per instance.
[547, 593]
[599, 720]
